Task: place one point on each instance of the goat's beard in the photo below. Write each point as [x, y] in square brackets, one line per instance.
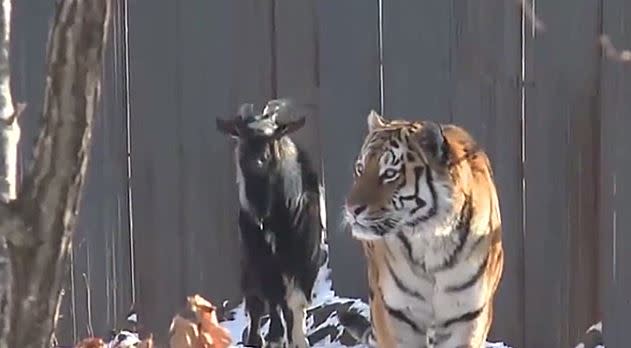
[257, 198]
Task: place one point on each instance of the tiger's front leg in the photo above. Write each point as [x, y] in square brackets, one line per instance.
[463, 334]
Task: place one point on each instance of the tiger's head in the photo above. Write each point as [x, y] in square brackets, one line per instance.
[403, 177]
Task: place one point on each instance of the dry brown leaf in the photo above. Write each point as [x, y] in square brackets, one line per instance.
[91, 342]
[213, 335]
[184, 333]
[206, 333]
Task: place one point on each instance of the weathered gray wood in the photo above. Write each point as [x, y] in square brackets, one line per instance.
[615, 185]
[296, 66]
[183, 183]
[105, 220]
[459, 61]
[485, 63]
[560, 172]
[349, 47]
[417, 77]
[155, 168]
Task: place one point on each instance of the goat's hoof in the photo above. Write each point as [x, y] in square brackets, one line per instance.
[254, 342]
[275, 345]
[304, 344]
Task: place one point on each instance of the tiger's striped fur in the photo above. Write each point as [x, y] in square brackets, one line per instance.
[424, 205]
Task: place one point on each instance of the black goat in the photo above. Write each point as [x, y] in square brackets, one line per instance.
[279, 222]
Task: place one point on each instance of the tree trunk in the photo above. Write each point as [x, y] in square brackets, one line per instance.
[39, 224]
[9, 137]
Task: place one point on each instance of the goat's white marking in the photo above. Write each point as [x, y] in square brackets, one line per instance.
[243, 198]
[323, 211]
[270, 238]
[265, 123]
[291, 173]
[297, 303]
[265, 126]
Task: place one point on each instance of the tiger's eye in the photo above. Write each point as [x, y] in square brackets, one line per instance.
[389, 174]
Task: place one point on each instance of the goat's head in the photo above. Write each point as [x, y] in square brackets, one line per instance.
[258, 143]
[256, 134]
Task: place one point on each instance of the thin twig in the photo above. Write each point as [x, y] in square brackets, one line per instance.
[53, 340]
[88, 305]
[529, 11]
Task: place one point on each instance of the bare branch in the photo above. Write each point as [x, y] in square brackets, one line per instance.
[612, 52]
[88, 301]
[9, 137]
[529, 11]
[9, 127]
[53, 340]
[13, 228]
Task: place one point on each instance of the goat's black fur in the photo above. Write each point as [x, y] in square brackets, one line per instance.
[280, 227]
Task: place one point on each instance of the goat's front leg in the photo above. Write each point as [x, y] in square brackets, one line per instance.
[276, 337]
[295, 315]
[255, 308]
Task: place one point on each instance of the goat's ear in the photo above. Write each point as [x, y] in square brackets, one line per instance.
[289, 127]
[228, 127]
[432, 140]
[375, 121]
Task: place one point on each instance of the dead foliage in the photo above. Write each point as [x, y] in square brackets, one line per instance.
[206, 332]
[91, 342]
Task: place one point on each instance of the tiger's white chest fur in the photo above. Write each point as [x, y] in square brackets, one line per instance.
[417, 286]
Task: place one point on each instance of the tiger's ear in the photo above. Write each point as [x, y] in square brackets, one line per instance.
[375, 121]
[432, 140]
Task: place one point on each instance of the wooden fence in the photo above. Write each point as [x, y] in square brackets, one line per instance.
[552, 108]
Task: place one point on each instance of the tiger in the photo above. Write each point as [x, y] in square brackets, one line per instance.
[424, 206]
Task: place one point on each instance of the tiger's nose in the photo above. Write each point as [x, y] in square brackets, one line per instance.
[356, 209]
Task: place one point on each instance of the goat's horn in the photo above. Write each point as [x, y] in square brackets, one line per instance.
[246, 110]
[274, 105]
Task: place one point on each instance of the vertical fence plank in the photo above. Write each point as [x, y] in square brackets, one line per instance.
[561, 175]
[485, 99]
[206, 194]
[454, 61]
[349, 47]
[203, 60]
[416, 59]
[296, 66]
[154, 159]
[101, 270]
[615, 186]
[101, 246]
[105, 220]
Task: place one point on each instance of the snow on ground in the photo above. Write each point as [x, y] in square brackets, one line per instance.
[323, 328]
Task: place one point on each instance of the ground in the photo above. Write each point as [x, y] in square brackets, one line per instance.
[323, 327]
